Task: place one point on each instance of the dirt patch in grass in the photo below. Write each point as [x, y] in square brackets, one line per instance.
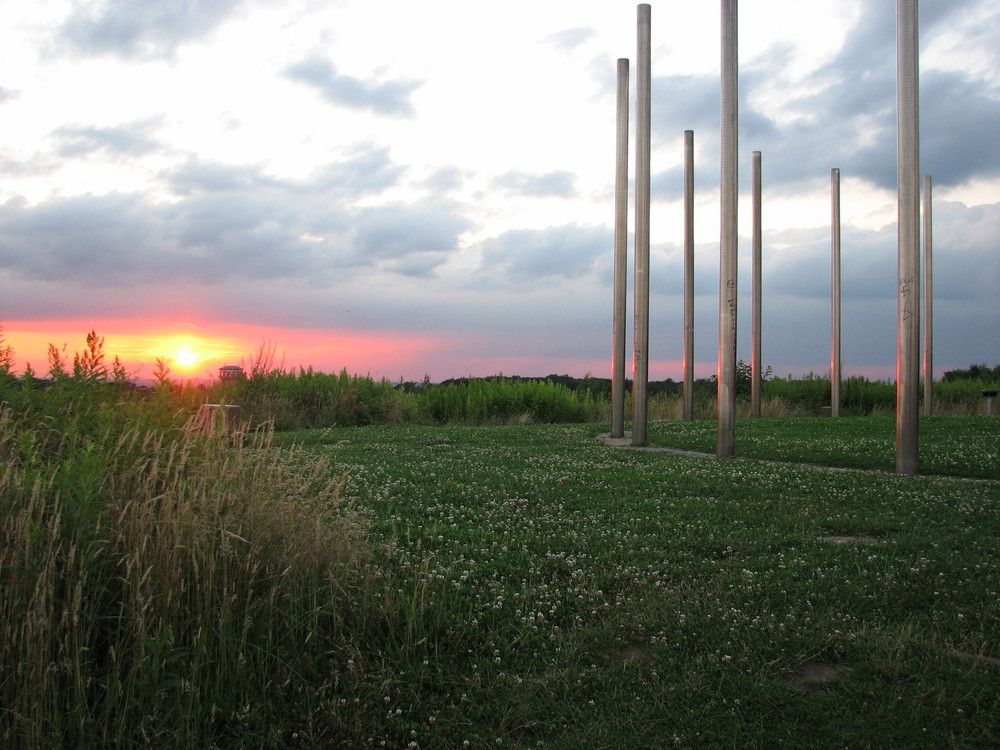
[628, 655]
[975, 660]
[858, 539]
[816, 673]
[626, 442]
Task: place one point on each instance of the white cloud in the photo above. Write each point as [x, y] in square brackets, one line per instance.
[448, 167]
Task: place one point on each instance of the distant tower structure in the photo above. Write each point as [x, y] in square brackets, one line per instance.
[231, 372]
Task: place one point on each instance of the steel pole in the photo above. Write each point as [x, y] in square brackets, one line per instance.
[621, 254]
[835, 366]
[688, 275]
[928, 303]
[908, 258]
[729, 195]
[756, 380]
[640, 376]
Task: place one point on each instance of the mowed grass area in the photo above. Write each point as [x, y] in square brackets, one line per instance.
[967, 446]
[541, 589]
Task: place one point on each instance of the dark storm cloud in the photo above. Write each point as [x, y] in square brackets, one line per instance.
[564, 252]
[848, 117]
[228, 223]
[119, 141]
[389, 98]
[144, 28]
[551, 184]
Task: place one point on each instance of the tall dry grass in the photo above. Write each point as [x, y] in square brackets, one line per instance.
[165, 587]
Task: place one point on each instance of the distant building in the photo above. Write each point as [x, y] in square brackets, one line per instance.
[231, 372]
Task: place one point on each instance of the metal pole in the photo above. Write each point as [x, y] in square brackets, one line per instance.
[640, 376]
[928, 303]
[908, 258]
[755, 371]
[688, 275]
[835, 366]
[726, 443]
[621, 254]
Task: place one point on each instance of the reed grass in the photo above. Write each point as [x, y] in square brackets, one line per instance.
[164, 587]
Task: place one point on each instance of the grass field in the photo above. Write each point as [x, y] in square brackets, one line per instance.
[167, 582]
[950, 446]
[541, 589]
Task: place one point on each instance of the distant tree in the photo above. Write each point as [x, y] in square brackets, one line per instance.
[981, 372]
[744, 378]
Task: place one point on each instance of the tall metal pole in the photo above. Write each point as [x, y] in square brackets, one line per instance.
[756, 380]
[640, 375]
[688, 275]
[908, 302]
[928, 303]
[726, 442]
[835, 367]
[621, 254]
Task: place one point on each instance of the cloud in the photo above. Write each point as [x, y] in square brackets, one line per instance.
[558, 184]
[391, 98]
[444, 179]
[409, 239]
[228, 224]
[958, 129]
[14, 165]
[796, 277]
[369, 169]
[199, 177]
[557, 253]
[847, 116]
[142, 29]
[120, 141]
[570, 39]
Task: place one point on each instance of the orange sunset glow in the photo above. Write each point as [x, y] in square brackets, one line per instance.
[197, 351]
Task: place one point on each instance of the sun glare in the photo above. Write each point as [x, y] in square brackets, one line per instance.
[186, 358]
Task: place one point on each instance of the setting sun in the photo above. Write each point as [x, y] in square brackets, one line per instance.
[186, 358]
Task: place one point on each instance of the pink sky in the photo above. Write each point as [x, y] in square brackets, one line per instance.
[197, 351]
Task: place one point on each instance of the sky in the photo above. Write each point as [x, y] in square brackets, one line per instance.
[405, 189]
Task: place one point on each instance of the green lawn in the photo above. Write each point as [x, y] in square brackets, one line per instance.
[541, 589]
[949, 446]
